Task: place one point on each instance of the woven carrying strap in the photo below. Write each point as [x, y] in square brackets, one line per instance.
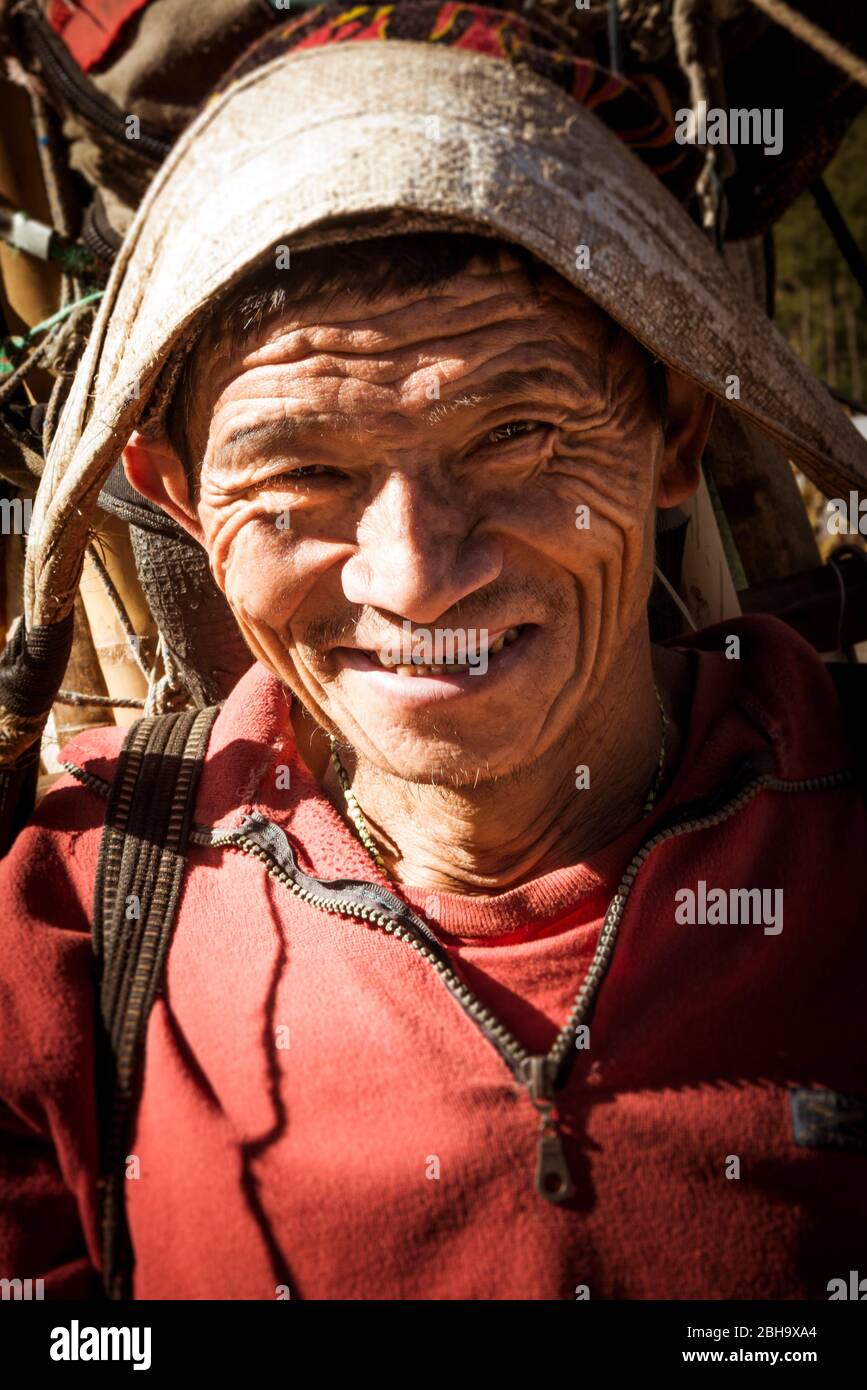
[138, 883]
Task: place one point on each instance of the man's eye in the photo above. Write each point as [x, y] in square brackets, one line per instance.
[307, 470]
[502, 434]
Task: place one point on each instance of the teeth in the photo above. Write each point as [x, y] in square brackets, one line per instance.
[429, 670]
[416, 669]
[457, 668]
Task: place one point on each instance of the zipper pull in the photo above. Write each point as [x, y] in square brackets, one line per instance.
[553, 1179]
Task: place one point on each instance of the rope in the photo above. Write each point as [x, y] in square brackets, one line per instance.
[809, 33]
[120, 612]
[52, 413]
[696, 37]
[11, 376]
[169, 692]
[45, 142]
[675, 597]
[18, 342]
[58, 202]
[74, 697]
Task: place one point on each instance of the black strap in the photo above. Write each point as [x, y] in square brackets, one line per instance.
[138, 883]
[851, 681]
[31, 668]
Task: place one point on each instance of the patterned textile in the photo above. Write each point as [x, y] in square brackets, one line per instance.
[90, 31]
[637, 110]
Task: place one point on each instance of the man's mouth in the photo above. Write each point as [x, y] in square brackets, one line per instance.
[481, 655]
[484, 650]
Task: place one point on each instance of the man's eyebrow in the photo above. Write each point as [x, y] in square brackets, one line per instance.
[511, 383]
[284, 430]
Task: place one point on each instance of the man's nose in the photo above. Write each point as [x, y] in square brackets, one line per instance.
[419, 552]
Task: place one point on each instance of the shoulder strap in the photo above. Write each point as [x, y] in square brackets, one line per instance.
[851, 682]
[138, 882]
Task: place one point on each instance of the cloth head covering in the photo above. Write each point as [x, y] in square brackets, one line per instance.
[338, 129]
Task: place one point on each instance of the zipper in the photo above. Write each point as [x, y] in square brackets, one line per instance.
[262, 839]
[66, 78]
[542, 1076]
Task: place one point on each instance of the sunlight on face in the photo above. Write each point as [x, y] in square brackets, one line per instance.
[478, 457]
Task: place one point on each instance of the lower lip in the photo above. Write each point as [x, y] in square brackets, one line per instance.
[420, 690]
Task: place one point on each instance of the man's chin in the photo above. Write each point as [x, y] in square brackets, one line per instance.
[438, 762]
[456, 724]
[437, 745]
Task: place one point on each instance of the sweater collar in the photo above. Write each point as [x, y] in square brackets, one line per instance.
[737, 713]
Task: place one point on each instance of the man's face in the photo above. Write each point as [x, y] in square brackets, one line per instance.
[479, 458]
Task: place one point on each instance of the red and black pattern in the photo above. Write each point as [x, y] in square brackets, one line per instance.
[89, 31]
[637, 110]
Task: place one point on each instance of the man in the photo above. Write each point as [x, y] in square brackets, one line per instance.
[515, 957]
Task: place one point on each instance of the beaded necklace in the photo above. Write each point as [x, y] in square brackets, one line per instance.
[362, 829]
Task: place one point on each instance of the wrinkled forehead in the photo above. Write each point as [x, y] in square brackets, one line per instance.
[495, 322]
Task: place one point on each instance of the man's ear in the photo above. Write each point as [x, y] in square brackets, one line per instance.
[690, 414]
[156, 471]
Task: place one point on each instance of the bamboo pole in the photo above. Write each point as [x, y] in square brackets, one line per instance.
[116, 653]
[83, 674]
[29, 289]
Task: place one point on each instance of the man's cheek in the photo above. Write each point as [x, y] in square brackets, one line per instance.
[590, 503]
[611, 566]
[614, 522]
[261, 578]
[270, 572]
[605, 548]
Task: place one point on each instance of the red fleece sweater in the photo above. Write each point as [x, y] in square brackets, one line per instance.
[387, 1151]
